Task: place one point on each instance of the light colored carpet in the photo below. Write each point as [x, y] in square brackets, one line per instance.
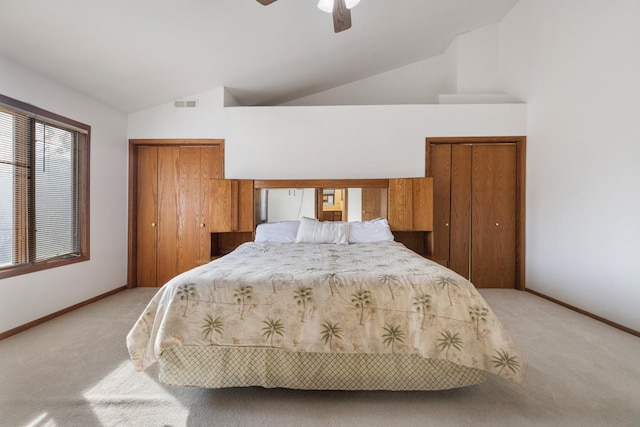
[74, 371]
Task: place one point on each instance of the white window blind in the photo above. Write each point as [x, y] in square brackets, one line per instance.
[40, 189]
[56, 192]
[14, 178]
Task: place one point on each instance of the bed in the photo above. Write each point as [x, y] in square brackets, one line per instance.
[313, 305]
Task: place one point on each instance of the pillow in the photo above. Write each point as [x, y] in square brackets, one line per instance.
[277, 232]
[314, 231]
[376, 230]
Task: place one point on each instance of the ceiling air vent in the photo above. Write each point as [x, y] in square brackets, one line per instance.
[185, 103]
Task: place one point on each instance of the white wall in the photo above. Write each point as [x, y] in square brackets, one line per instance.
[316, 142]
[167, 121]
[451, 68]
[470, 65]
[472, 62]
[576, 64]
[384, 141]
[478, 61]
[31, 296]
[417, 83]
[361, 140]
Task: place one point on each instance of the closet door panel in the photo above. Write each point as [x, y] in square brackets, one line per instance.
[210, 166]
[493, 226]
[168, 212]
[460, 220]
[440, 165]
[189, 208]
[213, 161]
[147, 216]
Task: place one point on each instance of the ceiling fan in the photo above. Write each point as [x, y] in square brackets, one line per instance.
[341, 10]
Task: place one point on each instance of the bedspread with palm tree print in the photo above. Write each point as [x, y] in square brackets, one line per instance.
[360, 298]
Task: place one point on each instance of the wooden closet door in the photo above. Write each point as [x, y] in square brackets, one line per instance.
[168, 213]
[147, 216]
[196, 166]
[493, 222]
[171, 207]
[190, 218]
[211, 162]
[440, 166]
[184, 174]
[460, 215]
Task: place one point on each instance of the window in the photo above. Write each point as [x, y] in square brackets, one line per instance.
[44, 189]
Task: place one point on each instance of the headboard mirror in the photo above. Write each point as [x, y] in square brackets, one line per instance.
[327, 200]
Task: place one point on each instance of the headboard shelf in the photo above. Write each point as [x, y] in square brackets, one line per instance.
[322, 183]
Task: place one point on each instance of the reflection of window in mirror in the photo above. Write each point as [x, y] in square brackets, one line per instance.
[354, 212]
[285, 204]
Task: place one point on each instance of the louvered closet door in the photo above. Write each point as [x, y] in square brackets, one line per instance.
[493, 223]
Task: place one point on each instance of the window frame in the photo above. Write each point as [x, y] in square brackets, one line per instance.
[83, 208]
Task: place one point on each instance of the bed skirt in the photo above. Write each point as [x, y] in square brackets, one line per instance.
[223, 367]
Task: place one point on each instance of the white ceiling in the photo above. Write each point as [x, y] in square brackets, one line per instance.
[134, 54]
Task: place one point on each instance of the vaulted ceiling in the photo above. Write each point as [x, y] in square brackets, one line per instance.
[134, 54]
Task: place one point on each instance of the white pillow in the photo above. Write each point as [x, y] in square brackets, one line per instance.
[376, 230]
[314, 231]
[277, 232]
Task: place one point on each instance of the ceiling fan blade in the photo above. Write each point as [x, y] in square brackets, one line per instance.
[265, 2]
[341, 16]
